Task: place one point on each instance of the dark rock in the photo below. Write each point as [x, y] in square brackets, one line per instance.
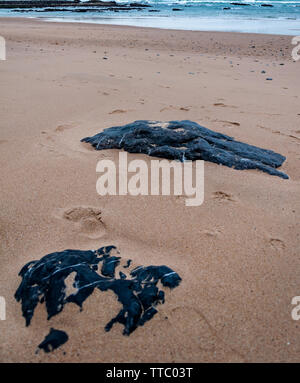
[51, 4]
[267, 5]
[176, 9]
[138, 5]
[43, 281]
[186, 140]
[52, 10]
[241, 4]
[226, 8]
[53, 340]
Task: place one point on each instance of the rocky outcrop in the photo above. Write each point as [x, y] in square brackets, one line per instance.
[30, 4]
[241, 4]
[48, 281]
[53, 340]
[186, 140]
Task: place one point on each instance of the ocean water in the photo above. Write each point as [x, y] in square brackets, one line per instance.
[282, 18]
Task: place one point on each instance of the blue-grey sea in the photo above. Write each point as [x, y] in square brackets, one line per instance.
[282, 18]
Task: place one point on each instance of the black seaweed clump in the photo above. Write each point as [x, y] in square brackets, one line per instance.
[53, 340]
[186, 140]
[44, 281]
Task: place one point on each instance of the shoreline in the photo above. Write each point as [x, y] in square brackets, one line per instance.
[114, 23]
[229, 42]
[177, 23]
[133, 27]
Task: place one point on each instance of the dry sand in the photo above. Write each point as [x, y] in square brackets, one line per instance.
[238, 253]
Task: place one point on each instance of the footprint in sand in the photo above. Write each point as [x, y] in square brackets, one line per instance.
[118, 111]
[221, 104]
[166, 108]
[277, 244]
[199, 327]
[295, 137]
[63, 141]
[219, 195]
[171, 107]
[229, 123]
[61, 128]
[212, 233]
[280, 133]
[87, 220]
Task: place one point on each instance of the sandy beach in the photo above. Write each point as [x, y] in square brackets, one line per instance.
[237, 253]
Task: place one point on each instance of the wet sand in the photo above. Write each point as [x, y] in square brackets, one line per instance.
[237, 254]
